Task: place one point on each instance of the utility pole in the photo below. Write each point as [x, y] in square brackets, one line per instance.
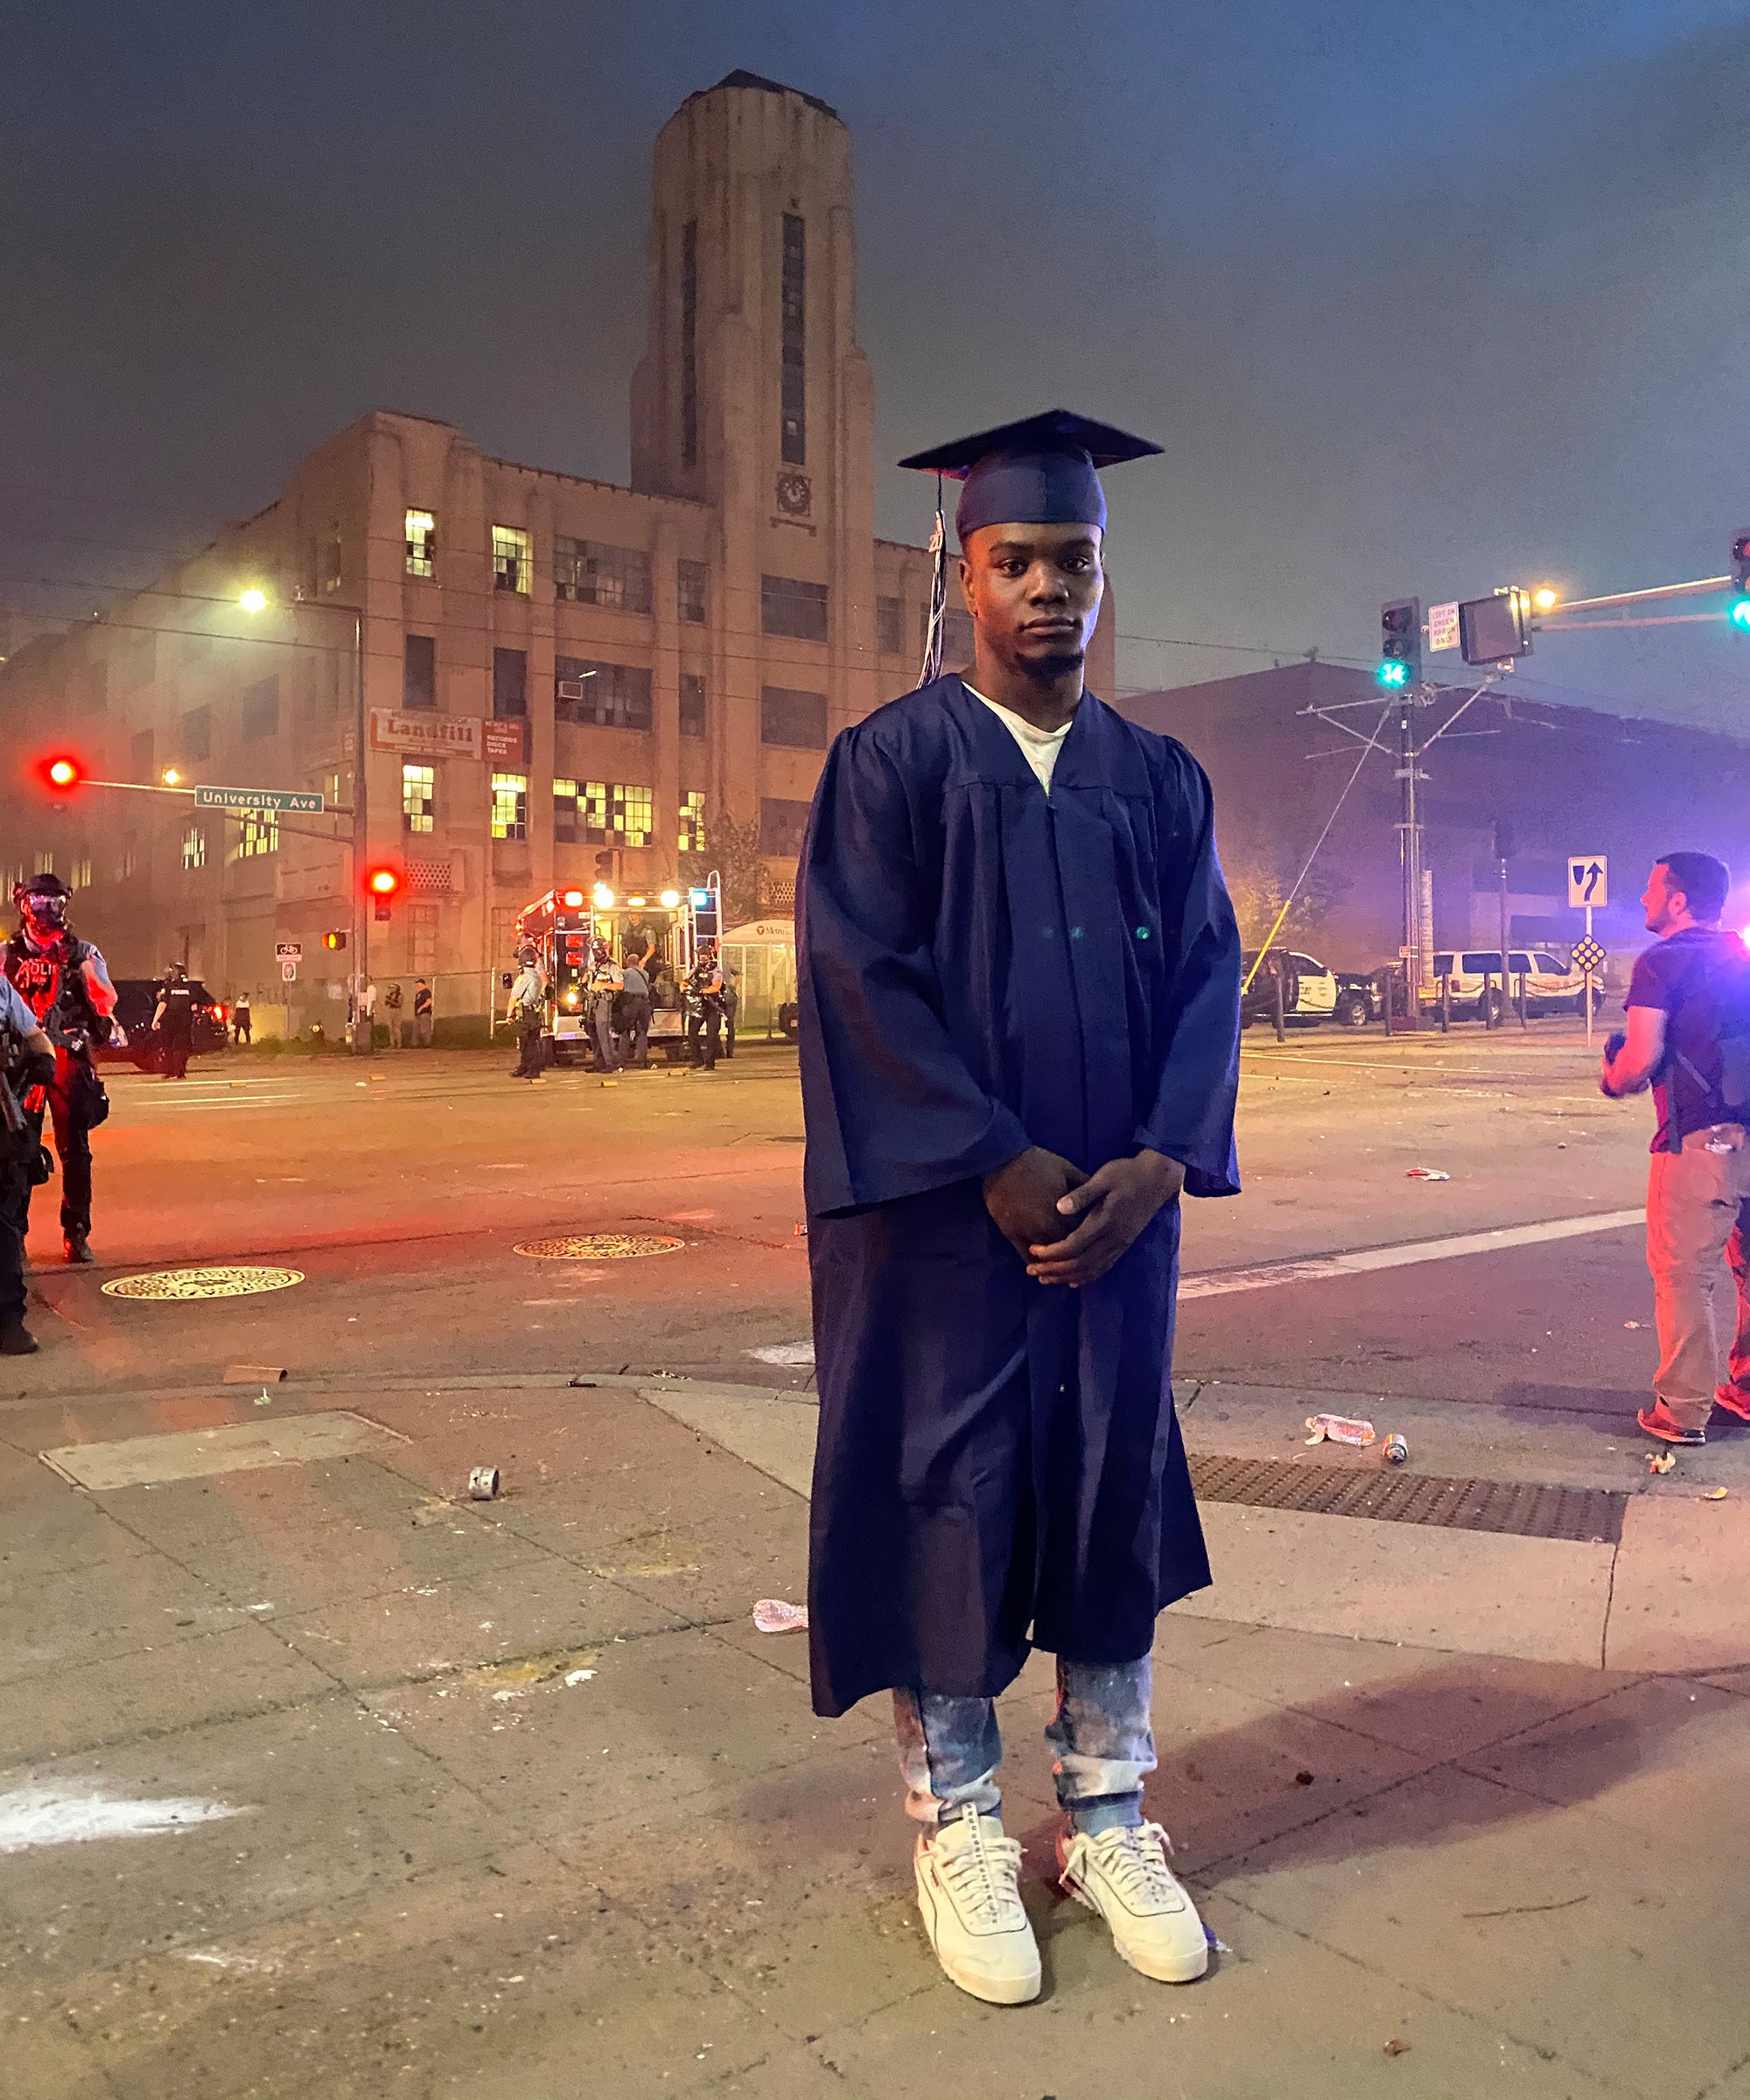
[1411, 860]
[1504, 848]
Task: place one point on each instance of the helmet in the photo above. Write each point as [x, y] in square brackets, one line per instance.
[42, 902]
[527, 952]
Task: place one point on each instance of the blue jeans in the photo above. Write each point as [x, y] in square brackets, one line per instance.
[949, 1747]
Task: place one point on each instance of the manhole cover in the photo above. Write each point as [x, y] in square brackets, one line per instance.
[601, 1247]
[203, 1282]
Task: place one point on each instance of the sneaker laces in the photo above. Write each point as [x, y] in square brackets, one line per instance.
[980, 1869]
[1135, 1857]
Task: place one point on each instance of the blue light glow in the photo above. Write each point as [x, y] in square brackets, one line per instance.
[1391, 672]
[1740, 615]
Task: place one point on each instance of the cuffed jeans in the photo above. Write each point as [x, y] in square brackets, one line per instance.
[949, 1747]
[1698, 1204]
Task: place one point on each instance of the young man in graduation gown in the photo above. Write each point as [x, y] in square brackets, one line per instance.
[1019, 997]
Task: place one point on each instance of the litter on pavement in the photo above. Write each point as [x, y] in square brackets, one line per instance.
[1341, 1429]
[773, 1615]
[1396, 1452]
[1714, 1494]
[1661, 1461]
[1427, 1173]
[483, 1483]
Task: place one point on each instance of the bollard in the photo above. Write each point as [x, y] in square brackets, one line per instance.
[1387, 988]
[1523, 1021]
[1276, 1000]
[1445, 1003]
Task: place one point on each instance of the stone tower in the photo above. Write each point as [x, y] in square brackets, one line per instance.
[753, 396]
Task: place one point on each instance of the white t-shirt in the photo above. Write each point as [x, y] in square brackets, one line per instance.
[1039, 747]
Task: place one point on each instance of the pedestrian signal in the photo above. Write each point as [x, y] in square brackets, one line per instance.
[1400, 644]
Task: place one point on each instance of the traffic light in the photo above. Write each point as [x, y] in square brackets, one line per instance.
[334, 939]
[1739, 611]
[382, 883]
[62, 772]
[1400, 644]
[1497, 628]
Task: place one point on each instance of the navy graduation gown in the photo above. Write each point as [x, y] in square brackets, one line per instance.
[981, 968]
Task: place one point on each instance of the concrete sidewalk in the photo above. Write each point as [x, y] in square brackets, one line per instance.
[509, 1799]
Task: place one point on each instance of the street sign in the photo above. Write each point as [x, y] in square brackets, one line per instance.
[1443, 627]
[288, 969]
[258, 798]
[289, 950]
[1588, 881]
[1588, 955]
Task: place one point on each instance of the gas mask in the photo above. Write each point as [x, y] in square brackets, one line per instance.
[44, 912]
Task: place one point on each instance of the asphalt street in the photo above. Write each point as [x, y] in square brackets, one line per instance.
[318, 1776]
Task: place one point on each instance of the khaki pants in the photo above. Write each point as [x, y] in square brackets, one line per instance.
[1697, 1209]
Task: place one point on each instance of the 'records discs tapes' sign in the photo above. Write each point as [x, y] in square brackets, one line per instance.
[446, 737]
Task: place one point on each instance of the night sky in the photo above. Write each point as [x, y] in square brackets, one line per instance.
[1418, 298]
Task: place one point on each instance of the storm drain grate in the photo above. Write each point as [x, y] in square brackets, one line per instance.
[1520, 1508]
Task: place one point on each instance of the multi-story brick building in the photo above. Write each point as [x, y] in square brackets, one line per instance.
[547, 669]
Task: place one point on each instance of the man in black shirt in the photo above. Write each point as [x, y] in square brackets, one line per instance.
[1684, 990]
[173, 1022]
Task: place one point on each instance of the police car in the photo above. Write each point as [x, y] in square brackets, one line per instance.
[1311, 991]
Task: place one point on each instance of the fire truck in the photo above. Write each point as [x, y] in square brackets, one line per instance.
[670, 927]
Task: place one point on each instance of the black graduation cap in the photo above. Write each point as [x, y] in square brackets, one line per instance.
[1041, 471]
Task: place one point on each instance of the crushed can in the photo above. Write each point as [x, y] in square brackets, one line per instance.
[483, 1484]
[1396, 1452]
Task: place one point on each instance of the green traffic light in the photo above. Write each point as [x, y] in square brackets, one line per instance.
[1740, 615]
[1393, 672]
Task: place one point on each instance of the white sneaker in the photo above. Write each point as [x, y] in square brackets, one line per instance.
[1124, 1875]
[971, 1905]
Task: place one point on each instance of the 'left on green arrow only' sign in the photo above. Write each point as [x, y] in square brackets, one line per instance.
[258, 798]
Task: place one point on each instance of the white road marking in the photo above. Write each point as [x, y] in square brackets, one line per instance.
[1316, 1267]
[36, 1816]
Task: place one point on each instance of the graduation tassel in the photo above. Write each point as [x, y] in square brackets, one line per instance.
[932, 665]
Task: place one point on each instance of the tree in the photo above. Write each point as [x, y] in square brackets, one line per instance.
[733, 851]
[1260, 867]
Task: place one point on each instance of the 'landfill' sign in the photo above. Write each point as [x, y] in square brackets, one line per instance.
[1588, 880]
[258, 798]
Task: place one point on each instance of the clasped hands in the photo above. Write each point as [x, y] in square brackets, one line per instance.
[1068, 1227]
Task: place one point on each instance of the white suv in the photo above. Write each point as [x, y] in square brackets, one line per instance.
[1551, 986]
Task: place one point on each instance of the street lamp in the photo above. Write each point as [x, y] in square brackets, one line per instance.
[171, 777]
[255, 599]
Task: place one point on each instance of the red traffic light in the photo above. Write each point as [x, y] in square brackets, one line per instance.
[383, 882]
[62, 772]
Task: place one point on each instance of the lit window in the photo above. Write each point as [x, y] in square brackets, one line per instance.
[693, 821]
[510, 805]
[418, 797]
[512, 565]
[422, 544]
[259, 834]
[80, 874]
[566, 812]
[44, 864]
[193, 849]
[616, 815]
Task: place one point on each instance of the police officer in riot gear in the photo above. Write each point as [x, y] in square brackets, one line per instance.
[65, 982]
[27, 1061]
[704, 1008]
[173, 1021]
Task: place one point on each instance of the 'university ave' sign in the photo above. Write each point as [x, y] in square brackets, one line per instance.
[258, 798]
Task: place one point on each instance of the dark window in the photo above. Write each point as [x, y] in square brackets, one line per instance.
[689, 343]
[196, 736]
[956, 634]
[692, 706]
[510, 684]
[797, 719]
[787, 606]
[260, 709]
[139, 654]
[781, 825]
[793, 406]
[890, 626]
[1478, 962]
[691, 581]
[140, 757]
[595, 574]
[419, 671]
[611, 696]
